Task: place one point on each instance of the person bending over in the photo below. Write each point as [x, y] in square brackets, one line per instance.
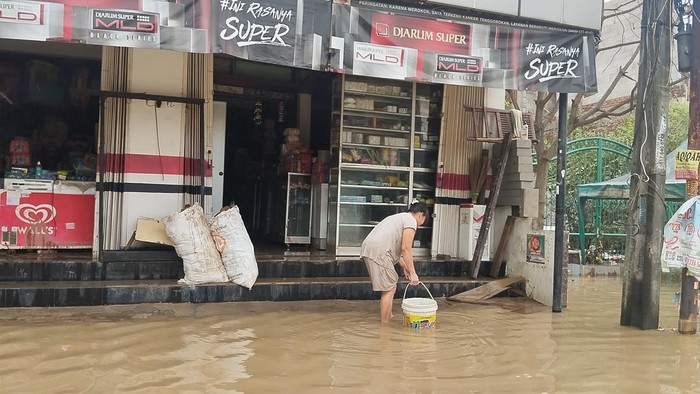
[390, 243]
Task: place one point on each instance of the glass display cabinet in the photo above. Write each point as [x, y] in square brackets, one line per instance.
[297, 212]
[384, 143]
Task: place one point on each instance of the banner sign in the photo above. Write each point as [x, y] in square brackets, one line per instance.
[181, 26]
[422, 42]
[284, 32]
[687, 164]
[436, 44]
[682, 239]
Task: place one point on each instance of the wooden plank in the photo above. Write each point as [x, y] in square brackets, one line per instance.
[501, 251]
[491, 206]
[484, 292]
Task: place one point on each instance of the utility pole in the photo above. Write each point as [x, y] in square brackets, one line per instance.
[647, 214]
[559, 242]
[688, 316]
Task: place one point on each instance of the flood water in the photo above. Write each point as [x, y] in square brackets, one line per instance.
[323, 346]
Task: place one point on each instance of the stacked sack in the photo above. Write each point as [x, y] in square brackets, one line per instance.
[215, 253]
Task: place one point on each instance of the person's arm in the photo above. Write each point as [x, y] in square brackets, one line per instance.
[407, 254]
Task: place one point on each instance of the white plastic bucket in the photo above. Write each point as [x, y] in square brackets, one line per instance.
[419, 312]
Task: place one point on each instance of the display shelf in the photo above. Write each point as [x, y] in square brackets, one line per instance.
[376, 204]
[374, 129]
[426, 149]
[372, 167]
[398, 188]
[373, 112]
[297, 215]
[367, 94]
[357, 131]
[375, 146]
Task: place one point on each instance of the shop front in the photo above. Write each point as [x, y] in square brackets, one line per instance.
[48, 145]
[313, 135]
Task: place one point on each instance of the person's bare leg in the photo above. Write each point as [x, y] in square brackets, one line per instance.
[386, 305]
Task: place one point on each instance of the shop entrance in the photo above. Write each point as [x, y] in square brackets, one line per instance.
[258, 110]
[48, 123]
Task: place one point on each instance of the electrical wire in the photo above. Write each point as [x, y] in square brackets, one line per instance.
[650, 77]
[160, 156]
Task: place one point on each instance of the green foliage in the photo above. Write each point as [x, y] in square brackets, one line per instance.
[623, 131]
[582, 168]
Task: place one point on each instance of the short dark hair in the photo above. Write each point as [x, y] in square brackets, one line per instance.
[418, 207]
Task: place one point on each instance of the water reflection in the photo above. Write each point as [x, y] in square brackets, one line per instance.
[338, 345]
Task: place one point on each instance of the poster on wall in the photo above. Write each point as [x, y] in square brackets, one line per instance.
[681, 246]
[285, 32]
[687, 164]
[535, 248]
[181, 26]
[429, 43]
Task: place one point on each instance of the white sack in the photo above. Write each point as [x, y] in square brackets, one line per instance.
[237, 252]
[192, 240]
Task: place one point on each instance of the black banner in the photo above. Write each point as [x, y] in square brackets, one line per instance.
[441, 45]
[417, 42]
[285, 32]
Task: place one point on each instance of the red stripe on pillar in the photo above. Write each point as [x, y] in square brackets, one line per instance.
[132, 163]
[454, 182]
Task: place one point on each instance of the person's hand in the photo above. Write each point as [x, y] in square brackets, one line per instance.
[413, 278]
[406, 274]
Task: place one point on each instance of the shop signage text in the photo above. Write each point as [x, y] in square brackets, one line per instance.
[117, 21]
[18, 12]
[422, 34]
[460, 64]
[37, 217]
[247, 26]
[126, 28]
[552, 62]
[687, 164]
[379, 54]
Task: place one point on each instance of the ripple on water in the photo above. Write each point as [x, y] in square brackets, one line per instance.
[314, 346]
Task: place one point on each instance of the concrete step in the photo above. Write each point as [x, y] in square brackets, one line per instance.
[91, 293]
[32, 270]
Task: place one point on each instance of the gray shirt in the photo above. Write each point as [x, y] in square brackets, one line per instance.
[383, 244]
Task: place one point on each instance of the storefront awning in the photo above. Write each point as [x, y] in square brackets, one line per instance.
[408, 41]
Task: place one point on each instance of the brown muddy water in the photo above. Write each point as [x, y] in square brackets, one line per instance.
[324, 346]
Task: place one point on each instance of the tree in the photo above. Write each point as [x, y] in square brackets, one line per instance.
[582, 169]
[581, 116]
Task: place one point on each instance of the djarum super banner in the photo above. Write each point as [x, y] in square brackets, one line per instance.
[379, 39]
[181, 26]
[442, 45]
[285, 32]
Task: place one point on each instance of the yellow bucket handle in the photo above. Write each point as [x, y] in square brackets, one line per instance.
[420, 283]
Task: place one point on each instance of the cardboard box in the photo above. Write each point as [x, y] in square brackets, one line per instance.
[152, 231]
[395, 141]
[373, 140]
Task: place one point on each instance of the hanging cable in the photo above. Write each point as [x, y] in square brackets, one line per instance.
[160, 156]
